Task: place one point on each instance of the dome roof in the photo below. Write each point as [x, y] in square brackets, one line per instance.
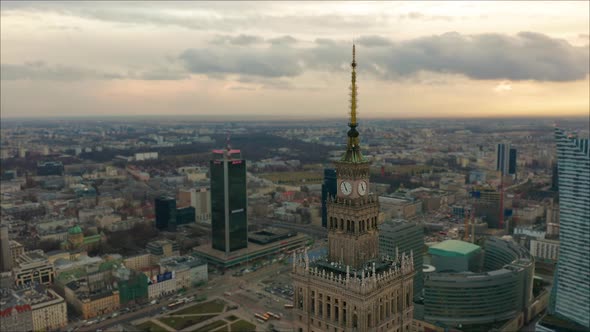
[75, 230]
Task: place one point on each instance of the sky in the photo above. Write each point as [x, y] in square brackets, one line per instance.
[292, 59]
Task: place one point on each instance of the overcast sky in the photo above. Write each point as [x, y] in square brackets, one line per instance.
[415, 59]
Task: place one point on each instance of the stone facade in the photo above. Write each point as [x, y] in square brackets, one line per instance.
[344, 302]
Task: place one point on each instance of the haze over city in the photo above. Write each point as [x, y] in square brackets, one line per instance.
[295, 166]
[247, 59]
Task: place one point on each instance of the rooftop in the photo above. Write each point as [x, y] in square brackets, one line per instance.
[453, 248]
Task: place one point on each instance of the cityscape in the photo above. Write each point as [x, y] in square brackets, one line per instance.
[295, 166]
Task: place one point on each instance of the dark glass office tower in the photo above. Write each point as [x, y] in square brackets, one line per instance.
[506, 159]
[329, 189]
[165, 209]
[229, 219]
[512, 162]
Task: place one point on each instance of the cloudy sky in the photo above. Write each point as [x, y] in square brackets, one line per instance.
[415, 59]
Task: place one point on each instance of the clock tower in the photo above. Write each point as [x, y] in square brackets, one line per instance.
[353, 237]
[352, 288]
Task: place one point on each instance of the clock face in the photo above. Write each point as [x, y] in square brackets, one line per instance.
[346, 187]
[362, 188]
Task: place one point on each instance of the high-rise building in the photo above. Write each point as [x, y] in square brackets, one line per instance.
[354, 288]
[329, 189]
[200, 199]
[571, 292]
[506, 159]
[165, 208]
[229, 202]
[399, 236]
[5, 248]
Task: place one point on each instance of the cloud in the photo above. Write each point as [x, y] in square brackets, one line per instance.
[269, 62]
[237, 40]
[525, 56]
[283, 40]
[504, 86]
[38, 70]
[373, 41]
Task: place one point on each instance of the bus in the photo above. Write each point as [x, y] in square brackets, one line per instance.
[175, 304]
[288, 306]
[261, 317]
[273, 315]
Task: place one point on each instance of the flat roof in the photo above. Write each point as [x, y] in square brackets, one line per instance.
[253, 251]
[453, 248]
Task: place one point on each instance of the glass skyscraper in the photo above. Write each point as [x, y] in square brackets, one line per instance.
[229, 220]
[506, 159]
[165, 209]
[571, 296]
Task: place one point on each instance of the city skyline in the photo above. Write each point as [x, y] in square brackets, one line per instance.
[417, 60]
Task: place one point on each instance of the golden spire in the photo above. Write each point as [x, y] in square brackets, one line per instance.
[353, 150]
[353, 89]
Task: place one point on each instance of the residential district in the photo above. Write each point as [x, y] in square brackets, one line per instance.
[376, 225]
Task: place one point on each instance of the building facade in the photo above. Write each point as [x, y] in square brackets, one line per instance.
[399, 236]
[506, 159]
[229, 217]
[200, 199]
[165, 210]
[353, 288]
[5, 254]
[478, 301]
[571, 293]
[49, 311]
[34, 267]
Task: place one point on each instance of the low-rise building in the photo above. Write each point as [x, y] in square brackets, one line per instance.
[162, 285]
[91, 302]
[16, 250]
[42, 308]
[138, 262]
[33, 267]
[188, 270]
[545, 250]
[161, 249]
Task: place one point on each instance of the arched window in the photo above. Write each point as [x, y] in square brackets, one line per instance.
[348, 225]
[355, 321]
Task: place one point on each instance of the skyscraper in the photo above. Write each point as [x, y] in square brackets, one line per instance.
[165, 209]
[354, 288]
[571, 296]
[229, 219]
[506, 159]
[329, 189]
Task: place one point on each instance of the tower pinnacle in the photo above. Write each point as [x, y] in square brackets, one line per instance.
[353, 152]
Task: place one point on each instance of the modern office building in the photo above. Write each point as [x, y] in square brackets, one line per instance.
[329, 190]
[506, 159]
[200, 199]
[455, 256]
[399, 236]
[482, 301]
[165, 209]
[185, 215]
[571, 292]
[353, 288]
[161, 249]
[229, 203]
[33, 267]
[46, 168]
